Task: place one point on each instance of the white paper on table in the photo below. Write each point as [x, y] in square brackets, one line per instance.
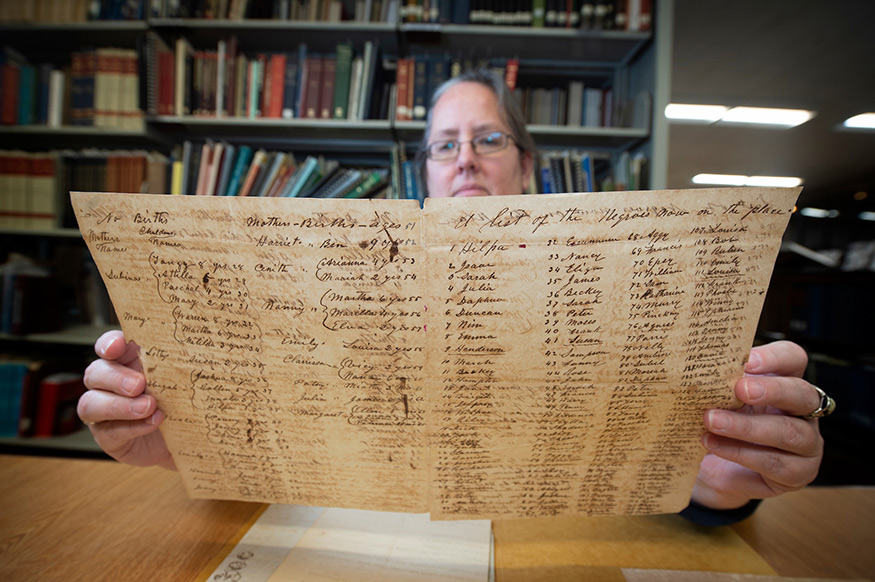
[291, 542]
[263, 548]
[353, 544]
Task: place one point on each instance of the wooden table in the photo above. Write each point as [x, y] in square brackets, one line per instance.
[98, 520]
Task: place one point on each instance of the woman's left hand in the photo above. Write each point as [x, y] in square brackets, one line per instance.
[765, 448]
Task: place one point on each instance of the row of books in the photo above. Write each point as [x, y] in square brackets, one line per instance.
[65, 11]
[34, 186]
[301, 10]
[581, 171]
[101, 88]
[223, 169]
[28, 190]
[296, 84]
[38, 398]
[574, 106]
[30, 94]
[630, 15]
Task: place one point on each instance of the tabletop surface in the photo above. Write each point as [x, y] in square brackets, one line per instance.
[63, 519]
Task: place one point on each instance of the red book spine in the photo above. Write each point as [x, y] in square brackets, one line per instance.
[277, 72]
[56, 404]
[511, 71]
[326, 92]
[314, 84]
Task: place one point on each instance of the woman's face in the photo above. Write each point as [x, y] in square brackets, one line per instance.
[463, 112]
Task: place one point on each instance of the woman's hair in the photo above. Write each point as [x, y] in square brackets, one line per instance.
[508, 108]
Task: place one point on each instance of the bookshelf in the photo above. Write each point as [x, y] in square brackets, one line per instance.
[633, 64]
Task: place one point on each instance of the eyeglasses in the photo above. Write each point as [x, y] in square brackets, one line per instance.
[483, 145]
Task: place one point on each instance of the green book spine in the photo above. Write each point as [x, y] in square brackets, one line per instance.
[367, 184]
[342, 79]
[538, 10]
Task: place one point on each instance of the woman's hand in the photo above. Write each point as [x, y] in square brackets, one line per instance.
[764, 448]
[123, 420]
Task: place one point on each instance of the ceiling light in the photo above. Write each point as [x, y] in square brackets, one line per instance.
[866, 216]
[737, 180]
[695, 113]
[773, 181]
[864, 120]
[767, 116]
[720, 179]
[818, 212]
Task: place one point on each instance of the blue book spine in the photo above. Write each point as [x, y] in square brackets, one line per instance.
[302, 58]
[244, 156]
[26, 95]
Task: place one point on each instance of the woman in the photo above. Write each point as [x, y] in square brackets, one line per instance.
[476, 144]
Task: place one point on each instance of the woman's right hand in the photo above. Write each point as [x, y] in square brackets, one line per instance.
[123, 419]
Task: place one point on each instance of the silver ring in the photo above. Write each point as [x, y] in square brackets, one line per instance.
[827, 405]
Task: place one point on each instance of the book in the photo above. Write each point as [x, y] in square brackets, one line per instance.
[369, 67]
[302, 176]
[212, 177]
[228, 158]
[343, 71]
[204, 168]
[239, 172]
[420, 88]
[43, 203]
[327, 87]
[355, 89]
[368, 184]
[56, 404]
[255, 166]
[12, 379]
[275, 85]
[312, 99]
[402, 83]
[272, 169]
[341, 181]
[183, 78]
[55, 113]
[290, 90]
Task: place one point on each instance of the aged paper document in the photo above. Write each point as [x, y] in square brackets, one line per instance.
[481, 358]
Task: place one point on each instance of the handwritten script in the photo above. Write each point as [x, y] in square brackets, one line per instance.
[481, 358]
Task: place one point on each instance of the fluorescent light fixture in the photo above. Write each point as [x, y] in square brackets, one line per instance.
[818, 212]
[866, 216]
[695, 113]
[864, 120]
[720, 179]
[738, 180]
[767, 116]
[773, 181]
[708, 114]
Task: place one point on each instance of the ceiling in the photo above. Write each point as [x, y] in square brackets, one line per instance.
[806, 54]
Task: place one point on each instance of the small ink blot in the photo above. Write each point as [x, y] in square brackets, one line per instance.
[522, 246]
[363, 244]
[393, 250]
